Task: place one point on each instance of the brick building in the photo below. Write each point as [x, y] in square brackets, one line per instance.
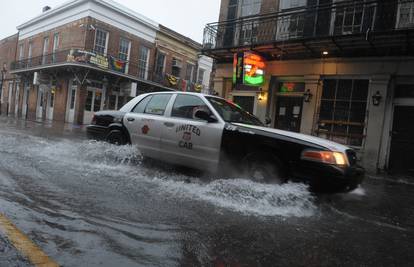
[337, 69]
[89, 55]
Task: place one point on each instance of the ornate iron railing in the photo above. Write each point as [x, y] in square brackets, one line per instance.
[107, 63]
[311, 22]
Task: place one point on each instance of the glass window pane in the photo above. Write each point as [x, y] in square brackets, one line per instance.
[157, 104]
[329, 89]
[326, 112]
[185, 106]
[344, 90]
[341, 112]
[140, 108]
[88, 105]
[358, 111]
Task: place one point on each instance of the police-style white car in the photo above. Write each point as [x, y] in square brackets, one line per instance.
[210, 133]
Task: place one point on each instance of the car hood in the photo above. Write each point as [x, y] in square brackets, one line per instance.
[308, 138]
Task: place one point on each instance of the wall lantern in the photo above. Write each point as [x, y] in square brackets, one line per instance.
[307, 96]
[376, 99]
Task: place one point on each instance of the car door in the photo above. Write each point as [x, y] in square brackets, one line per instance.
[187, 140]
[144, 123]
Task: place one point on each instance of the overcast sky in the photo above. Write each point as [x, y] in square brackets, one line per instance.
[187, 17]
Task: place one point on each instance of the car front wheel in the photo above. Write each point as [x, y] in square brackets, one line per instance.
[116, 137]
[263, 170]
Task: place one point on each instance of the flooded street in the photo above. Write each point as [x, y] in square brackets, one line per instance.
[93, 204]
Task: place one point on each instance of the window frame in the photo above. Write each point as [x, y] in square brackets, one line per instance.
[172, 66]
[144, 74]
[186, 118]
[163, 63]
[332, 134]
[106, 41]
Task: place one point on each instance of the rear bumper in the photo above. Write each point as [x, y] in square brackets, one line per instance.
[96, 132]
[322, 177]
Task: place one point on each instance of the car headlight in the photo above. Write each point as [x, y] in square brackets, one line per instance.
[328, 157]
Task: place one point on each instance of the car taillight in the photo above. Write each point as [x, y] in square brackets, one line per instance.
[93, 119]
[328, 157]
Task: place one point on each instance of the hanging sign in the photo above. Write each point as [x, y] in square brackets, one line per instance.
[248, 69]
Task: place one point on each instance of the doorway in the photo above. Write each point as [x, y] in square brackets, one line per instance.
[288, 113]
[25, 101]
[94, 102]
[40, 102]
[50, 104]
[402, 141]
[71, 103]
[16, 99]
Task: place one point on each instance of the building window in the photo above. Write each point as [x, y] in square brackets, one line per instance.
[160, 65]
[342, 112]
[29, 55]
[250, 7]
[291, 26]
[189, 73]
[176, 67]
[21, 51]
[45, 49]
[200, 76]
[286, 4]
[124, 47]
[101, 41]
[405, 15]
[55, 46]
[143, 61]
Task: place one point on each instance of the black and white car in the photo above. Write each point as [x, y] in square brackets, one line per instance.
[210, 133]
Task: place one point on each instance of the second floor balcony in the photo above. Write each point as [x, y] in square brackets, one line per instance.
[341, 28]
[80, 58]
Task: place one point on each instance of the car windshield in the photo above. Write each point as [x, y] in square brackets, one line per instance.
[233, 113]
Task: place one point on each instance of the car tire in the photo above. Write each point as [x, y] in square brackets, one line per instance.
[116, 137]
[265, 169]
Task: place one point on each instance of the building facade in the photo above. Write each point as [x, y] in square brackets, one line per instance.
[341, 70]
[89, 55]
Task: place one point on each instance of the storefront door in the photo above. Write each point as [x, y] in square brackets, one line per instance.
[71, 103]
[40, 103]
[50, 105]
[402, 142]
[16, 99]
[288, 113]
[25, 101]
[94, 102]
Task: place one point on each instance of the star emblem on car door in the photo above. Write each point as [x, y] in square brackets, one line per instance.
[145, 129]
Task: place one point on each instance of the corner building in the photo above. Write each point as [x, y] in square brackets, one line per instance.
[89, 55]
[340, 70]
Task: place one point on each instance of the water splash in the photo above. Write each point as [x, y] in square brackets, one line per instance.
[97, 159]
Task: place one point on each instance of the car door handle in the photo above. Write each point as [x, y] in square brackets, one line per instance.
[169, 124]
[130, 119]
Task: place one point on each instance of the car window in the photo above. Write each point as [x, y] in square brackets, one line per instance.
[140, 108]
[185, 106]
[232, 113]
[157, 104]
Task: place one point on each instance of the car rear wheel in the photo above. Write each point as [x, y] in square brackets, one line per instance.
[263, 170]
[116, 137]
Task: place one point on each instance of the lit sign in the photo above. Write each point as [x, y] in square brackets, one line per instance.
[248, 69]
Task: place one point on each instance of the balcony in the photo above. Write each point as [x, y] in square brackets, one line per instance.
[343, 28]
[75, 57]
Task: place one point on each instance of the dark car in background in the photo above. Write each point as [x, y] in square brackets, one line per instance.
[211, 134]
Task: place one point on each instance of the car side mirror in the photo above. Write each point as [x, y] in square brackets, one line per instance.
[268, 121]
[205, 116]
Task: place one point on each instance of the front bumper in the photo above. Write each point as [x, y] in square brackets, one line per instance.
[330, 178]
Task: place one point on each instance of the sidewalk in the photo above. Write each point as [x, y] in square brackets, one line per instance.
[47, 129]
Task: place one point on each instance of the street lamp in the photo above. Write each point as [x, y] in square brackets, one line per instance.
[307, 96]
[376, 99]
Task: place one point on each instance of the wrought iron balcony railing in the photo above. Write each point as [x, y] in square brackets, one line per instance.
[341, 18]
[80, 57]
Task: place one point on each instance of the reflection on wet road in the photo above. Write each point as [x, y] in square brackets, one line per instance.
[88, 204]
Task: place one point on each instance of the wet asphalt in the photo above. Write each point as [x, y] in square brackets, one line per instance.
[92, 204]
